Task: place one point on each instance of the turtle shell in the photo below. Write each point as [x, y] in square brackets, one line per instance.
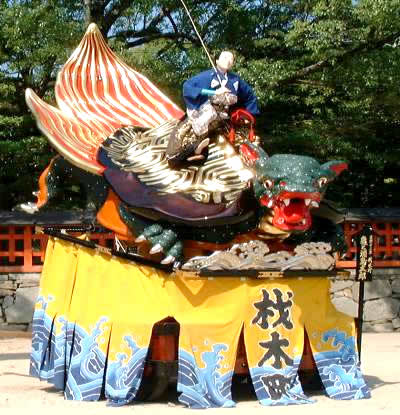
[136, 167]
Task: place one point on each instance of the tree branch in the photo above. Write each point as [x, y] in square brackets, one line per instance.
[316, 84]
[365, 47]
[167, 13]
[153, 36]
[114, 13]
[44, 83]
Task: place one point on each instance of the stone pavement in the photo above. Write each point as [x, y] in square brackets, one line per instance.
[20, 393]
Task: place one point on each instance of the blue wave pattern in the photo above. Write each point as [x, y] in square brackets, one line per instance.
[86, 367]
[42, 327]
[278, 386]
[204, 387]
[70, 358]
[340, 369]
[124, 377]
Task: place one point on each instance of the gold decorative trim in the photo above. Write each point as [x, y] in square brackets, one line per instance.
[221, 179]
[270, 274]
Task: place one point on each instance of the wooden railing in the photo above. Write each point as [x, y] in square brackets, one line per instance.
[386, 244]
[23, 250]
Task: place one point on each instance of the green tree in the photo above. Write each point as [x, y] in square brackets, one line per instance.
[35, 39]
[326, 74]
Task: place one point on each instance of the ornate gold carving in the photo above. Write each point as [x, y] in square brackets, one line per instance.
[270, 230]
[362, 274]
[270, 274]
[221, 179]
[255, 255]
[185, 274]
[103, 249]
[371, 244]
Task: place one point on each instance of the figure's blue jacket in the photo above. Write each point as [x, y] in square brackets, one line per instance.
[208, 80]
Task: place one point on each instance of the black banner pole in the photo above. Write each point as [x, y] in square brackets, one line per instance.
[364, 267]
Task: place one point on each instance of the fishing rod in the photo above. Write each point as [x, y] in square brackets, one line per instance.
[201, 41]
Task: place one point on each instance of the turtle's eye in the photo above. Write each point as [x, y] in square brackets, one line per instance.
[322, 181]
[268, 183]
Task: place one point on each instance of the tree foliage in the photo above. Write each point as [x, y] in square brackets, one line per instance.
[326, 73]
[34, 40]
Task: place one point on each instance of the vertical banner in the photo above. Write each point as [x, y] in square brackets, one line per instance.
[332, 340]
[365, 252]
[210, 317]
[274, 339]
[50, 316]
[139, 301]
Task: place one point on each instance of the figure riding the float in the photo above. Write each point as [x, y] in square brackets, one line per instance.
[210, 98]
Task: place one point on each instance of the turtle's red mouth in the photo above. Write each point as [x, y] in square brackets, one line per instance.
[292, 209]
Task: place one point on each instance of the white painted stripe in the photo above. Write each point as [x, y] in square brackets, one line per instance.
[57, 135]
[87, 115]
[121, 71]
[76, 103]
[108, 74]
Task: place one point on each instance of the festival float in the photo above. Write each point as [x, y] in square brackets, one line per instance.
[228, 254]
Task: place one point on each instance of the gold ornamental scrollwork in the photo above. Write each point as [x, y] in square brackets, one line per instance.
[362, 274]
[270, 274]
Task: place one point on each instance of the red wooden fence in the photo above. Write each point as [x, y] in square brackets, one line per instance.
[23, 250]
[386, 244]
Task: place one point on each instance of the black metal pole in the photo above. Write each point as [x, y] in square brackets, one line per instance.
[360, 318]
[365, 252]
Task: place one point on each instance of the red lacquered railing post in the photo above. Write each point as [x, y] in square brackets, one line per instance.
[11, 244]
[27, 248]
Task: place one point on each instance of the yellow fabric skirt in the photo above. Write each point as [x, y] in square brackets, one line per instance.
[94, 317]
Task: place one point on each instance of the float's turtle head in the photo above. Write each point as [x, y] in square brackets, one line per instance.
[289, 185]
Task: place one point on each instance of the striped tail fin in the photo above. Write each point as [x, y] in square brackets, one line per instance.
[97, 93]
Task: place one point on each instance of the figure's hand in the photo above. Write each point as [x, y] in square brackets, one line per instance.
[224, 98]
[222, 90]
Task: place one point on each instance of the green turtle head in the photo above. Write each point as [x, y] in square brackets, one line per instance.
[290, 185]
